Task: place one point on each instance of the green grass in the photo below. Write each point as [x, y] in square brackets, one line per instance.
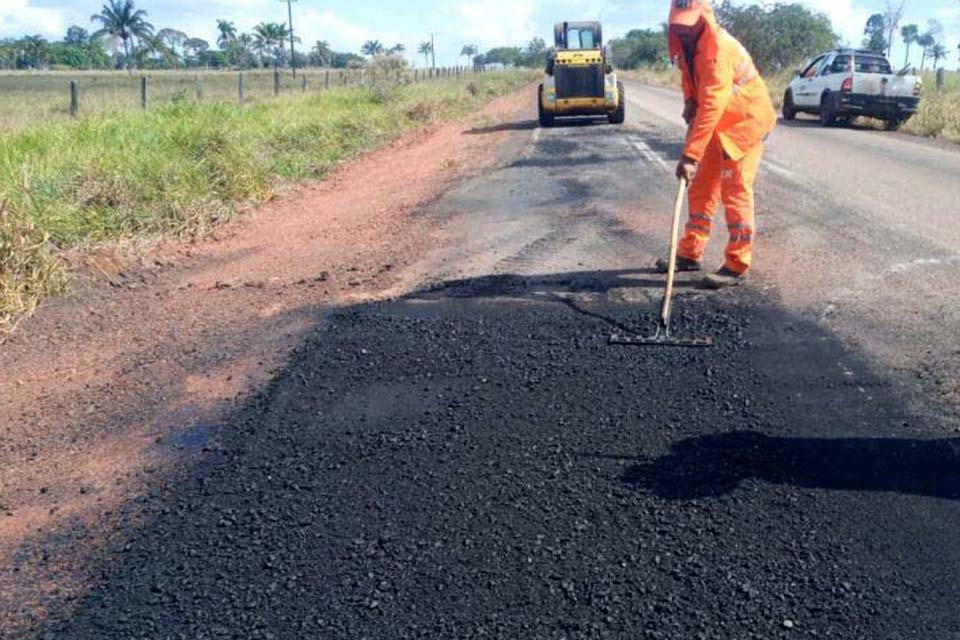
[30, 98]
[182, 168]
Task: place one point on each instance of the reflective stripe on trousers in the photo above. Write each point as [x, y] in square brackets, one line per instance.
[721, 180]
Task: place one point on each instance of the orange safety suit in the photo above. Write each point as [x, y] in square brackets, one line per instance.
[733, 117]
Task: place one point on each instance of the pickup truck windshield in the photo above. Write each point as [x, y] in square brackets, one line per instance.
[865, 64]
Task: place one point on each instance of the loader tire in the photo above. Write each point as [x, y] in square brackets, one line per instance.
[620, 115]
[545, 117]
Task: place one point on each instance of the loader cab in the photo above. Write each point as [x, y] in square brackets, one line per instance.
[578, 35]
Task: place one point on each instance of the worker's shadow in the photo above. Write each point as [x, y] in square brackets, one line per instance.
[713, 465]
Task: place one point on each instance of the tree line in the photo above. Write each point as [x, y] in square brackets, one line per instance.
[781, 35]
[778, 36]
[882, 29]
[124, 39]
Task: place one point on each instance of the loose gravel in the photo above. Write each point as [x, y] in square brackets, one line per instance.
[458, 467]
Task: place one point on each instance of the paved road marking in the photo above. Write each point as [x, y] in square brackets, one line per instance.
[648, 153]
[902, 267]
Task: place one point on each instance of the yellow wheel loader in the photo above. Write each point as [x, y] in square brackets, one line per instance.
[580, 80]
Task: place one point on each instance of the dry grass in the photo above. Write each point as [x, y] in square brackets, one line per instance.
[661, 77]
[28, 268]
[939, 114]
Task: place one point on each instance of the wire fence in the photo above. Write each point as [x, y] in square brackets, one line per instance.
[30, 98]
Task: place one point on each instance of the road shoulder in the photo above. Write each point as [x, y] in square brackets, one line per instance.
[122, 381]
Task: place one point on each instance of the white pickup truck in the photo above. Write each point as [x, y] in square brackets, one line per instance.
[846, 83]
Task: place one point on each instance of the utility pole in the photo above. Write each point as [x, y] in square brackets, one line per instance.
[293, 53]
[433, 52]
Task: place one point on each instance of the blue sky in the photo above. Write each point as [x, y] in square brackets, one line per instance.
[347, 23]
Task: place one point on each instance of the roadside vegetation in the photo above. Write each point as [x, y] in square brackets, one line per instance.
[184, 167]
[781, 36]
[939, 114]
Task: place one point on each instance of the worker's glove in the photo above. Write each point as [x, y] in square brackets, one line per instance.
[689, 111]
[686, 169]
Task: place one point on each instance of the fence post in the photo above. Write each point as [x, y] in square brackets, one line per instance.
[326, 80]
[941, 78]
[303, 78]
[143, 92]
[240, 86]
[74, 98]
[276, 82]
[196, 87]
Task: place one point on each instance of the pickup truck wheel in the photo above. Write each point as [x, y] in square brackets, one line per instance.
[545, 117]
[828, 115]
[789, 108]
[893, 123]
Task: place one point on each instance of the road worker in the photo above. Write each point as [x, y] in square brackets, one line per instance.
[729, 114]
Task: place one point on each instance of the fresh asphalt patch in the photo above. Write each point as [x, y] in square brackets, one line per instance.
[477, 462]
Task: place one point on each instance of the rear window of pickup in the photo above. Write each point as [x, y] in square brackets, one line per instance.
[865, 64]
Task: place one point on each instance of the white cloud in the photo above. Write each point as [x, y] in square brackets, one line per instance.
[491, 23]
[342, 33]
[18, 17]
[848, 19]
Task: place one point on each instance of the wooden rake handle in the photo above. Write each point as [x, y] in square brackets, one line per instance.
[667, 306]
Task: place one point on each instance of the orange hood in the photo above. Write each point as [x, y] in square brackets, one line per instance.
[687, 13]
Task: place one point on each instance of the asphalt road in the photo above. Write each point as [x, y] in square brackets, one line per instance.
[475, 461]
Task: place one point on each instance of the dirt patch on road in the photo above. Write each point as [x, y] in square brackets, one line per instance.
[122, 381]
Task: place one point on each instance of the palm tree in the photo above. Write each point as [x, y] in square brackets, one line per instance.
[910, 34]
[372, 48]
[926, 41]
[323, 52]
[271, 36]
[396, 49]
[938, 52]
[121, 19]
[153, 47]
[244, 47]
[425, 48]
[228, 33]
[469, 50]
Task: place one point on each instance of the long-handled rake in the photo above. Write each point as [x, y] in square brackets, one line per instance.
[662, 337]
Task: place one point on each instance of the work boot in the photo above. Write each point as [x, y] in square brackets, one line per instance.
[683, 264]
[724, 278]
